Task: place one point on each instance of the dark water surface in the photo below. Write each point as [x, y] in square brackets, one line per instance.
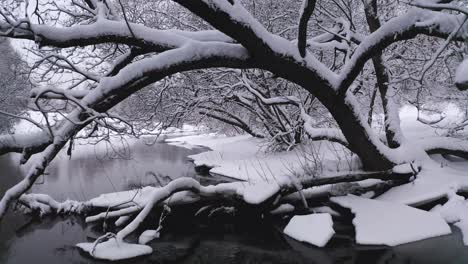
[24, 239]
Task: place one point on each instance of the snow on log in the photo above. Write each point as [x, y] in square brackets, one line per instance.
[113, 250]
[44, 204]
[384, 223]
[444, 145]
[123, 198]
[147, 236]
[259, 192]
[315, 229]
[431, 183]
[33, 142]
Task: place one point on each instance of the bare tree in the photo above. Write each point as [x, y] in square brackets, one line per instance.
[13, 85]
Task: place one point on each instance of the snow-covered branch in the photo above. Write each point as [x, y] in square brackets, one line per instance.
[19, 143]
[415, 21]
[273, 52]
[112, 90]
[43, 204]
[108, 31]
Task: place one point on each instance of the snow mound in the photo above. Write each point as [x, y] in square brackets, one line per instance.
[115, 250]
[315, 229]
[385, 223]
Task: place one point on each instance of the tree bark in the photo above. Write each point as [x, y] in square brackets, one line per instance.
[392, 124]
[359, 136]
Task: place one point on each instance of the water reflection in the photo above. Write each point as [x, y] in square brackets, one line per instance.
[85, 176]
[51, 241]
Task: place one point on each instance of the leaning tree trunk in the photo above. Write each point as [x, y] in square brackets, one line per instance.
[359, 135]
[342, 107]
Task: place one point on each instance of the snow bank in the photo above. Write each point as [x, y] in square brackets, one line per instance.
[315, 229]
[439, 176]
[211, 140]
[237, 157]
[385, 223]
[244, 158]
[115, 250]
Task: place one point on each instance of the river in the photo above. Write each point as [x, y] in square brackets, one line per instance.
[51, 240]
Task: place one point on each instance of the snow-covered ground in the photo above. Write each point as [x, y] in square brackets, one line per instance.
[243, 157]
[439, 177]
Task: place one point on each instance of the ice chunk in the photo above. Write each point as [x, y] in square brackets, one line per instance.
[385, 223]
[316, 229]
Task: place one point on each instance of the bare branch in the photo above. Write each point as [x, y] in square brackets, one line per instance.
[308, 7]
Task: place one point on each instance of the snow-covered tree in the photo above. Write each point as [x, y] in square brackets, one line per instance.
[337, 54]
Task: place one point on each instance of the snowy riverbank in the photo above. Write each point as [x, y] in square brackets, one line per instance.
[390, 219]
[244, 158]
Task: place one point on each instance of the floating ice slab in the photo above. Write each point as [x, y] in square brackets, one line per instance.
[315, 229]
[386, 223]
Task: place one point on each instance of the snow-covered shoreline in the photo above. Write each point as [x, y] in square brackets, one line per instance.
[244, 157]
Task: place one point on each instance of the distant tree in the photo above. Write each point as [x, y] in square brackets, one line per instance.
[13, 86]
